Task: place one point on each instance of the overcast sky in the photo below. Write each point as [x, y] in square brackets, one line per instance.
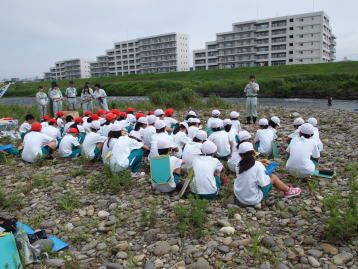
[36, 33]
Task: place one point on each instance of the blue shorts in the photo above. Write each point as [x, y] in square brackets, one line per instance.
[266, 190]
[96, 153]
[44, 151]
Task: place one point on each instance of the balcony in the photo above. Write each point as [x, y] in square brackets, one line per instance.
[333, 42]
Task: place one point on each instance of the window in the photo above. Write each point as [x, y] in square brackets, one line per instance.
[300, 60]
[291, 51]
[301, 36]
[290, 60]
[301, 44]
[291, 20]
[291, 44]
[291, 28]
[291, 36]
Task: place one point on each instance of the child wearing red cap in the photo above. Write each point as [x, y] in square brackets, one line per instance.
[45, 120]
[87, 114]
[59, 118]
[169, 121]
[79, 126]
[102, 116]
[93, 143]
[70, 146]
[51, 130]
[69, 122]
[36, 144]
[25, 127]
[110, 118]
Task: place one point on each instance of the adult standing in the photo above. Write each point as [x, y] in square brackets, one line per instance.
[101, 97]
[251, 91]
[56, 97]
[42, 101]
[86, 99]
[71, 94]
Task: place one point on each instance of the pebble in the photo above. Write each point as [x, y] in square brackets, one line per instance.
[121, 255]
[55, 262]
[200, 264]
[313, 262]
[149, 265]
[227, 241]
[113, 266]
[227, 230]
[224, 223]
[314, 252]
[224, 249]
[268, 241]
[43, 244]
[342, 258]
[328, 248]
[69, 226]
[237, 217]
[101, 246]
[103, 214]
[161, 248]
[158, 263]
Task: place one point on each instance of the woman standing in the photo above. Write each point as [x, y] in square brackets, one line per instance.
[86, 99]
[42, 101]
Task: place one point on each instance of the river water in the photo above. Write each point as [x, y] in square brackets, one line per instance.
[282, 102]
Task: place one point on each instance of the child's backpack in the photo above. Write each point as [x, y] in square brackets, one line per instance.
[160, 170]
[9, 257]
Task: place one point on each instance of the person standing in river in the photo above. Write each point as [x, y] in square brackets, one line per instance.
[251, 91]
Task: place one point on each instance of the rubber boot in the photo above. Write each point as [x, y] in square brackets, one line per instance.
[254, 119]
[248, 120]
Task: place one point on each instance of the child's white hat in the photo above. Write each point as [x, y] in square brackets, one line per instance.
[215, 112]
[163, 143]
[116, 127]
[307, 128]
[135, 134]
[234, 114]
[227, 122]
[95, 125]
[143, 120]
[263, 122]
[244, 135]
[159, 124]
[217, 123]
[194, 120]
[192, 113]
[276, 120]
[158, 112]
[201, 135]
[184, 124]
[245, 147]
[312, 121]
[131, 118]
[298, 121]
[151, 119]
[208, 148]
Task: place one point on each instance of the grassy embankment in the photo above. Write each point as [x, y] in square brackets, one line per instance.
[339, 80]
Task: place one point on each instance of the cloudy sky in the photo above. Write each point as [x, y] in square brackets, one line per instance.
[36, 33]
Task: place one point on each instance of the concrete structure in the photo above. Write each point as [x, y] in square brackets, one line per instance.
[297, 39]
[153, 54]
[69, 69]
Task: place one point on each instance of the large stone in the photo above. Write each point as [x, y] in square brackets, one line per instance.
[313, 262]
[268, 241]
[121, 255]
[224, 223]
[314, 252]
[161, 248]
[113, 266]
[55, 262]
[103, 214]
[281, 266]
[328, 248]
[342, 258]
[151, 235]
[90, 245]
[149, 265]
[200, 264]
[227, 230]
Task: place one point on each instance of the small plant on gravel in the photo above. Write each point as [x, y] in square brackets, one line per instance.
[69, 201]
[148, 216]
[342, 210]
[192, 217]
[36, 220]
[78, 172]
[231, 212]
[10, 201]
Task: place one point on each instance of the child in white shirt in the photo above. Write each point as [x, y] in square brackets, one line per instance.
[193, 149]
[113, 135]
[70, 146]
[301, 150]
[215, 114]
[221, 139]
[296, 124]
[164, 148]
[273, 123]
[234, 117]
[252, 184]
[206, 181]
[180, 138]
[45, 120]
[149, 130]
[313, 122]
[244, 136]
[25, 127]
[264, 138]
[169, 121]
[106, 127]
[160, 133]
[93, 143]
[69, 122]
[193, 124]
[51, 130]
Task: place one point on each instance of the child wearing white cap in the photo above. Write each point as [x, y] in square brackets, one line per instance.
[193, 149]
[264, 138]
[233, 134]
[296, 124]
[127, 153]
[313, 122]
[93, 143]
[234, 117]
[180, 138]
[273, 123]
[191, 114]
[193, 127]
[113, 135]
[244, 136]
[149, 130]
[164, 148]
[215, 114]
[302, 150]
[159, 113]
[206, 181]
[221, 139]
[252, 184]
[160, 127]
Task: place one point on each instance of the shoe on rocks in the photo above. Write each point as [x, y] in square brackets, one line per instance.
[292, 192]
[138, 174]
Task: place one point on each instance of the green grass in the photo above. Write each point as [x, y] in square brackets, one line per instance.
[69, 201]
[315, 80]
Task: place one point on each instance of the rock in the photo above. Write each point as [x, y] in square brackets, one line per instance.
[244, 242]
[101, 246]
[238, 217]
[113, 266]
[314, 252]
[55, 262]
[90, 245]
[158, 263]
[289, 242]
[43, 244]
[328, 248]
[268, 241]
[48, 224]
[69, 226]
[212, 244]
[174, 249]
[295, 114]
[291, 255]
[138, 259]
[224, 223]
[122, 246]
[281, 204]
[200, 264]
[265, 265]
[161, 248]
[103, 214]
[151, 235]
[313, 262]
[342, 258]
[149, 265]
[58, 178]
[227, 241]
[227, 230]
[121, 255]
[224, 249]
[260, 214]
[281, 266]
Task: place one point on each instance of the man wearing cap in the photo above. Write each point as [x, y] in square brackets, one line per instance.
[71, 94]
[42, 101]
[37, 144]
[101, 97]
[302, 150]
[251, 91]
[70, 146]
[93, 143]
[56, 97]
[206, 181]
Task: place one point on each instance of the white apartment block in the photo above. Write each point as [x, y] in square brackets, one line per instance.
[298, 39]
[154, 54]
[69, 69]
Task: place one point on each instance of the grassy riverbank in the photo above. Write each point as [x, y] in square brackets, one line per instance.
[339, 80]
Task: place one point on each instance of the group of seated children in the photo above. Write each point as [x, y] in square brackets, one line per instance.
[123, 140]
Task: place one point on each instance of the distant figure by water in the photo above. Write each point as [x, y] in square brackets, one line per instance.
[330, 99]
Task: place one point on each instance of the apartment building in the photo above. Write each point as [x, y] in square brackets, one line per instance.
[297, 39]
[69, 69]
[153, 54]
